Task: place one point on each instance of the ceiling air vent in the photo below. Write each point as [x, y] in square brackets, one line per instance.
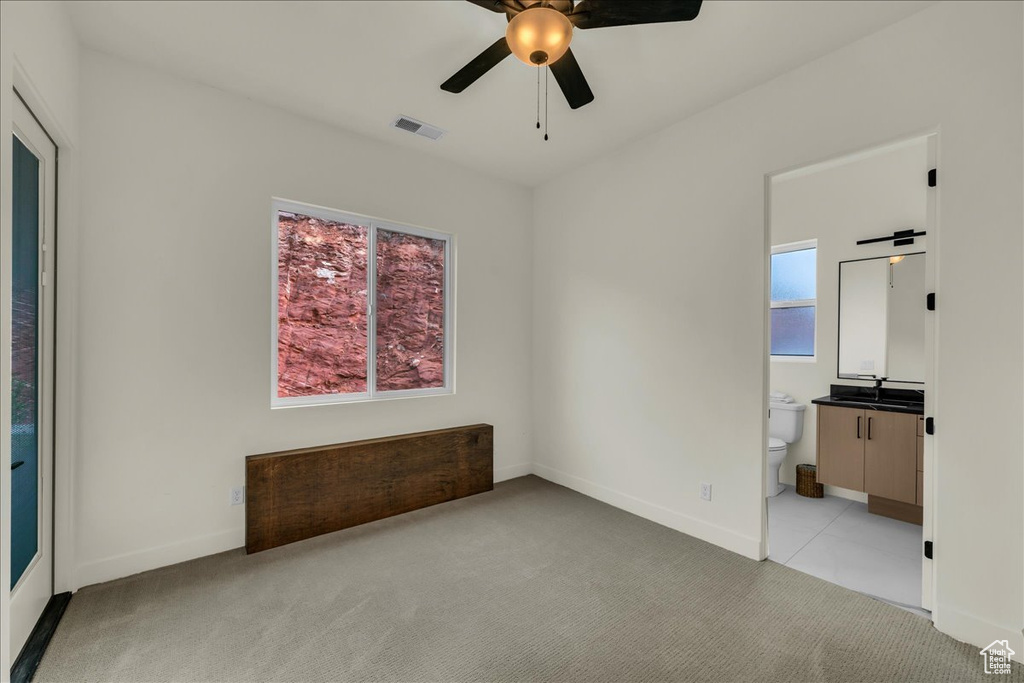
[417, 127]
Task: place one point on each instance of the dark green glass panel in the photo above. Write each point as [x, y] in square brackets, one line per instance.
[24, 360]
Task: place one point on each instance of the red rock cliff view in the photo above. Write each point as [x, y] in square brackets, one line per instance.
[322, 283]
[410, 311]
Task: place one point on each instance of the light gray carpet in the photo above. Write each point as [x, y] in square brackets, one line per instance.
[531, 582]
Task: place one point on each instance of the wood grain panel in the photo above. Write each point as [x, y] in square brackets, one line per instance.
[840, 449]
[905, 512]
[890, 456]
[294, 495]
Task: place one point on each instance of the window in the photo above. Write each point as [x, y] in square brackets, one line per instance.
[348, 326]
[794, 299]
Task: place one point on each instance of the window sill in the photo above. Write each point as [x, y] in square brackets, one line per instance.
[312, 401]
[794, 359]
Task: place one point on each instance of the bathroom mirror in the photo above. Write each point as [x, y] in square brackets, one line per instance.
[881, 318]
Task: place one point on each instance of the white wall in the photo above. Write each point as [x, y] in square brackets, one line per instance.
[650, 298]
[863, 196]
[38, 56]
[174, 305]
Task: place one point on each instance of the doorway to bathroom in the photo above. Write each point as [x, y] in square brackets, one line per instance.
[850, 367]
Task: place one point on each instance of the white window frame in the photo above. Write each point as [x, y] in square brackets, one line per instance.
[796, 303]
[372, 225]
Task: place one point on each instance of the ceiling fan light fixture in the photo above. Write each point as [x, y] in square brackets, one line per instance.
[539, 35]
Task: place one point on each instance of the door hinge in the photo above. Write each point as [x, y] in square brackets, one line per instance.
[930, 301]
[928, 549]
[933, 177]
[929, 425]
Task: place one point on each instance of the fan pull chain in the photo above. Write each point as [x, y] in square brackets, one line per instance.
[538, 97]
[547, 69]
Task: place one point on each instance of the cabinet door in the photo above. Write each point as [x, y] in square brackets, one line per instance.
[890, 456]
[841, 433]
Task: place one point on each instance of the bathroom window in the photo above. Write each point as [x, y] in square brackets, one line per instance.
[362, 308]
[794, 300]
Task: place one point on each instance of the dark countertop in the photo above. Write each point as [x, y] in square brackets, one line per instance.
[915, 408]
[891, 400]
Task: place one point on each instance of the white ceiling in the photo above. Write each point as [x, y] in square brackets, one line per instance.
[358, 65]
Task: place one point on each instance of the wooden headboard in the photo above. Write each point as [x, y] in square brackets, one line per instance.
[293, 495]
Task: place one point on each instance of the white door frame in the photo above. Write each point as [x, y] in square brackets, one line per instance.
[931, 459]
[931, 394]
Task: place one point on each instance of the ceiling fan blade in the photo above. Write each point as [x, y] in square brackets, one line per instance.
[602, 13]
[571, 80]
[480, 65]
[499, 5]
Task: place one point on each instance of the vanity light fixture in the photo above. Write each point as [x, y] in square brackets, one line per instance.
[899, 238]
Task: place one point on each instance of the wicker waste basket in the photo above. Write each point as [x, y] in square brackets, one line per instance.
[807, 482]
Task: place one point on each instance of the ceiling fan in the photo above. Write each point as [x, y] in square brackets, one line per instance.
[539, 33]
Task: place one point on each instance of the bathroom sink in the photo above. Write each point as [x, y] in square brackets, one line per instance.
[900, 402]
[869, 399]
[885, 402]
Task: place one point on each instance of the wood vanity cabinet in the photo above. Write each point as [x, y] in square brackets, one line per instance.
[869, 450]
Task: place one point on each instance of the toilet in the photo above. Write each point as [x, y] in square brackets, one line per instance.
[785, 426]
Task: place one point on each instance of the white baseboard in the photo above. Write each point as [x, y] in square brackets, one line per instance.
[972, 629]
[513, 471]
[153, 558]
[120, 566]
[712, 533]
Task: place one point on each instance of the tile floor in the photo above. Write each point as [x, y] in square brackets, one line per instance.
[839, 541]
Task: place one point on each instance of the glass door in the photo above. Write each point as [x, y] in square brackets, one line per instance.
[33, 177]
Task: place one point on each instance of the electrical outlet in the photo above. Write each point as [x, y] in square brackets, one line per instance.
[705, 491]
[237, 495]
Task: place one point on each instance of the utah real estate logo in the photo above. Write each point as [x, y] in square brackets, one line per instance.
[997, 657]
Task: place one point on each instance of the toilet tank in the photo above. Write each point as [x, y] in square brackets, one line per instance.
[786, 421]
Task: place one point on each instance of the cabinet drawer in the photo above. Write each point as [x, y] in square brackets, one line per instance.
[920, 454]
[920, 426]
